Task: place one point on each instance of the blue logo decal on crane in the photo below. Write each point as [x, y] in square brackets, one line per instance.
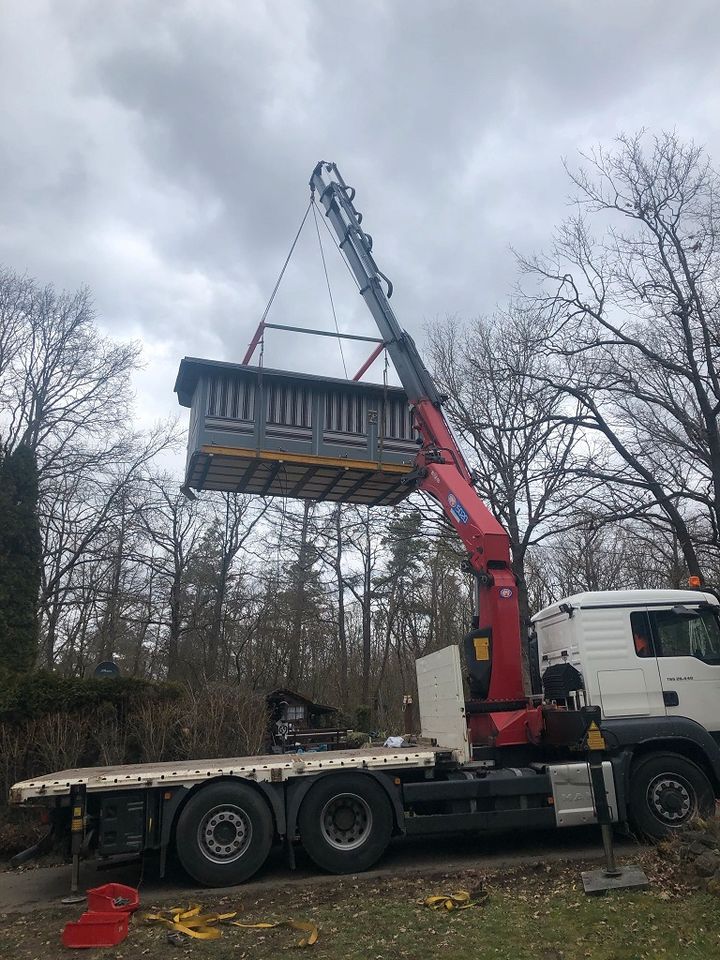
[457, 509]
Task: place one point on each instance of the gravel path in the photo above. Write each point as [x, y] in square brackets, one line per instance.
[34, 888]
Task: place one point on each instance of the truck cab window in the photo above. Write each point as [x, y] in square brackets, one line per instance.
[694, 633]
[640, 627]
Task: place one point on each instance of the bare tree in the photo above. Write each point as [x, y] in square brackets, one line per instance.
[632, 316]
[337, 564]
[16, 294]
[232, 522]
[80, 514]
[604, 556]
[362, 532]
[174, 526]
[525, 449]
[64, 387]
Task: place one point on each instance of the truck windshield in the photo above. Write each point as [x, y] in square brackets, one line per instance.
[678, 635]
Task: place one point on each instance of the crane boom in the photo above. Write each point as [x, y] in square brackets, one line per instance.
[337, 198]
[441, 468]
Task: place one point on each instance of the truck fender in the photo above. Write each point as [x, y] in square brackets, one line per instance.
[632, 736]
[180, 795]
[298, 789]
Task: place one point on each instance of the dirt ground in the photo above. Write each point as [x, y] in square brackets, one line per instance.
[538, 911]
[532, 910]
[45, 882]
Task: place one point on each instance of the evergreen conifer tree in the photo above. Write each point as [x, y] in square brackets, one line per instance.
[20, 560]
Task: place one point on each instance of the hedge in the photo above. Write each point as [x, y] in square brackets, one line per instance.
[33, 695]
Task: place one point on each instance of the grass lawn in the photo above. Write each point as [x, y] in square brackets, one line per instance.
[539, 913]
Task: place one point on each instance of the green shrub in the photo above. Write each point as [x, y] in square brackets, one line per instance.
[20, 559]
[363, 718]
[33, 695]
[356, 739]
[50, 723]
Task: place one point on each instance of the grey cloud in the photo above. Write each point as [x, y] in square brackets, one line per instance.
[160, 151]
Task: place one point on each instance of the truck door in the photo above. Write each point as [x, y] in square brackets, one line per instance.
[627, 672]
[687, 644]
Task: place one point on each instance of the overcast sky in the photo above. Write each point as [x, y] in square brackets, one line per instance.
[160, 151]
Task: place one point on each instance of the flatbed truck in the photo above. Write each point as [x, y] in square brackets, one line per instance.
[660, 762]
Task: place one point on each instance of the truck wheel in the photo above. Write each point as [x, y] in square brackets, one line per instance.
[666, 791]
[346, 822]
[224, 834]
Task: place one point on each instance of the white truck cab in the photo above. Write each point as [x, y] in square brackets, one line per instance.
[641, 653]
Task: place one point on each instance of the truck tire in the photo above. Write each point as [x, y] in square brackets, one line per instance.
[666, 791]
[223, 834]
[346, 822]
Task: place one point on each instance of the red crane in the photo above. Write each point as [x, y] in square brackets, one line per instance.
[502, 713]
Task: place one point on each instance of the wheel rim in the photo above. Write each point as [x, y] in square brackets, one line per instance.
[671, 799]
[224, 833]
[346, 821]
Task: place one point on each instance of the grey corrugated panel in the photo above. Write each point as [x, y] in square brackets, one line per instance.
[192, 368]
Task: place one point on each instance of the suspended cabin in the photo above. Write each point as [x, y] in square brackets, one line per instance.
[274, 433]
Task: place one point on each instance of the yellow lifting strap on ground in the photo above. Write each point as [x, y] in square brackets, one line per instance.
[305, 926]
[190, 922]
[460, 900]
[204, 926]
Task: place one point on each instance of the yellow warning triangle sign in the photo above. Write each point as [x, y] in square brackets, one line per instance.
[595, 739]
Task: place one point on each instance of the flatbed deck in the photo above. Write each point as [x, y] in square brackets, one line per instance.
[275, 768]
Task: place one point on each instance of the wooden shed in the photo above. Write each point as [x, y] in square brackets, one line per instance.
[298, 722]
[274, 433]
[303, 713]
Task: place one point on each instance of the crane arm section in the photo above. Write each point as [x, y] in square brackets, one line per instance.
[337, 199]
[441, 468]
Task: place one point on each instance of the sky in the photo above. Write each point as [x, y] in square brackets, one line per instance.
[159, 151]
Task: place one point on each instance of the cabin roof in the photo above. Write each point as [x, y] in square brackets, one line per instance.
[316, 708]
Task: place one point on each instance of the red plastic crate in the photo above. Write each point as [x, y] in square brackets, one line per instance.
[96, 929]
[104, 898]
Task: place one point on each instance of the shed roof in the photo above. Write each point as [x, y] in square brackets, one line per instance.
[192, 368]
[317, 708]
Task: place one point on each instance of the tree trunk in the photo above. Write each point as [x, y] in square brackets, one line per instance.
[109, 631]
[215, 631]
[175, 626]
[299, 604]
[342, 626]
[366, 625]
